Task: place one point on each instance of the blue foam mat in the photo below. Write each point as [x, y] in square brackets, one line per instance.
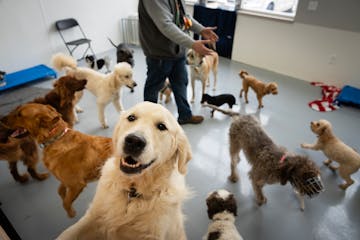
[349, 96]
[27, 75]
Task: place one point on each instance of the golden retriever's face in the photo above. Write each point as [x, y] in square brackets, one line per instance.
[148, 136]
[321, 126]
[193, 58]
[272, 88]
[33, 117]
[124, 75]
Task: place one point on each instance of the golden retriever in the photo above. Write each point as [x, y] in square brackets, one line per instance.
[72, 157]
[63, 97]
[260, 88]
[200, 67]
[142, 187]
[105, 87]
[16, 146]
[336, 150]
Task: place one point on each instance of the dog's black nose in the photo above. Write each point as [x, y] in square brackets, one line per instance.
[134, 144]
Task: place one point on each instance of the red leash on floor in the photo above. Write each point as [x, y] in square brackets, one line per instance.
[326, 103]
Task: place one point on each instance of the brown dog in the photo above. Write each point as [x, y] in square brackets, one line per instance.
[73, 157]
[260, 88]
[200, 67]
[336, 150]
[22, 147]
[269, 162]
[62, 97]
[166, 91]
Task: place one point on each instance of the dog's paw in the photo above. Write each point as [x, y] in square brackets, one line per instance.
[233, 178]
[261, 201]
[104, 126]
[71, 213]
[79, 109]
[22, 178]
[343, 186]
[41, 176]
[192, 101]
[303, 145]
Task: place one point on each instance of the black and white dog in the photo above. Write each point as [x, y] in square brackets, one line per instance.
[98, 64]
[2, 78]
[218, 100]
[222, 210]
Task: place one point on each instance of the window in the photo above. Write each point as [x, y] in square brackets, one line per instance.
[277, 8]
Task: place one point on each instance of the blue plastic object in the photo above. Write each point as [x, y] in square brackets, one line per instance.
[349, 96]
[27, 75]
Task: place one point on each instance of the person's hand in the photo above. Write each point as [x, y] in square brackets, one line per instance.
[208, 33]
[199, 47]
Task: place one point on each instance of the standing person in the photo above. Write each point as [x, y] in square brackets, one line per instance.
[163, 32]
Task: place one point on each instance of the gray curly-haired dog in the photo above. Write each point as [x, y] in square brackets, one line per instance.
[222, 210]
[269, 162]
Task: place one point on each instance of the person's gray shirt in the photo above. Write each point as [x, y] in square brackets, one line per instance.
[159, 36]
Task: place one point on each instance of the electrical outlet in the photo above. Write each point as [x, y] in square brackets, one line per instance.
[312, 6]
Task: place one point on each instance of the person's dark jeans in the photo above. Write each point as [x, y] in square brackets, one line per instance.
[175, 69]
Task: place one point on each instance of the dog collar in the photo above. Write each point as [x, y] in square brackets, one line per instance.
[283, 158]
[132, 193]
[55, 138]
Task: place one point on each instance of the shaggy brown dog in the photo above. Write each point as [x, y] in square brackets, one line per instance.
[270, 163]
[22, 147]
[62, 97]
[142, 187]
[260, 88]
[336, 150]
[73, 157]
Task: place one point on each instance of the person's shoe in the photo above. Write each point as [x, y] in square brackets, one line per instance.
[193, 120]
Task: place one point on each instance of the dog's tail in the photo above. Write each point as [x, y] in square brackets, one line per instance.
[243, 73]
[61, 61]
[224, 111]
[112, 43]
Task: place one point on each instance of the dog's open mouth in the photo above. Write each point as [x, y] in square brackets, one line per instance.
[19, 133]
[130, 165]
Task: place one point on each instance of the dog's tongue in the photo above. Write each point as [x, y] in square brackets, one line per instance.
[18, 132]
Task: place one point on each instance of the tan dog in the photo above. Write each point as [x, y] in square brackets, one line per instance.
[142, 187]
[105, 87]
[166, 91]
[336, 150]
[73, 157]
[200, 67]
[260, 88]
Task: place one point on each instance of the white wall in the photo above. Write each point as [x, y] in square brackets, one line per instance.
[28, 36]
[307, 52]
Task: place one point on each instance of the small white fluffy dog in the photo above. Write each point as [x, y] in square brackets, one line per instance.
[105, 87]
[142, 187]
[200, 67]
[222, 210]
[336, 150]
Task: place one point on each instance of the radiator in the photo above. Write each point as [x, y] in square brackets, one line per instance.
[130, 30]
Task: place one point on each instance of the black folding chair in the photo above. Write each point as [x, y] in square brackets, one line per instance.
[71, 45]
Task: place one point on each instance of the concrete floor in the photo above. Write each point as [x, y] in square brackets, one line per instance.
[35, 209]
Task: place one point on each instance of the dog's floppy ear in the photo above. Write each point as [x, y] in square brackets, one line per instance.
[242, 73]
[183, 151]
